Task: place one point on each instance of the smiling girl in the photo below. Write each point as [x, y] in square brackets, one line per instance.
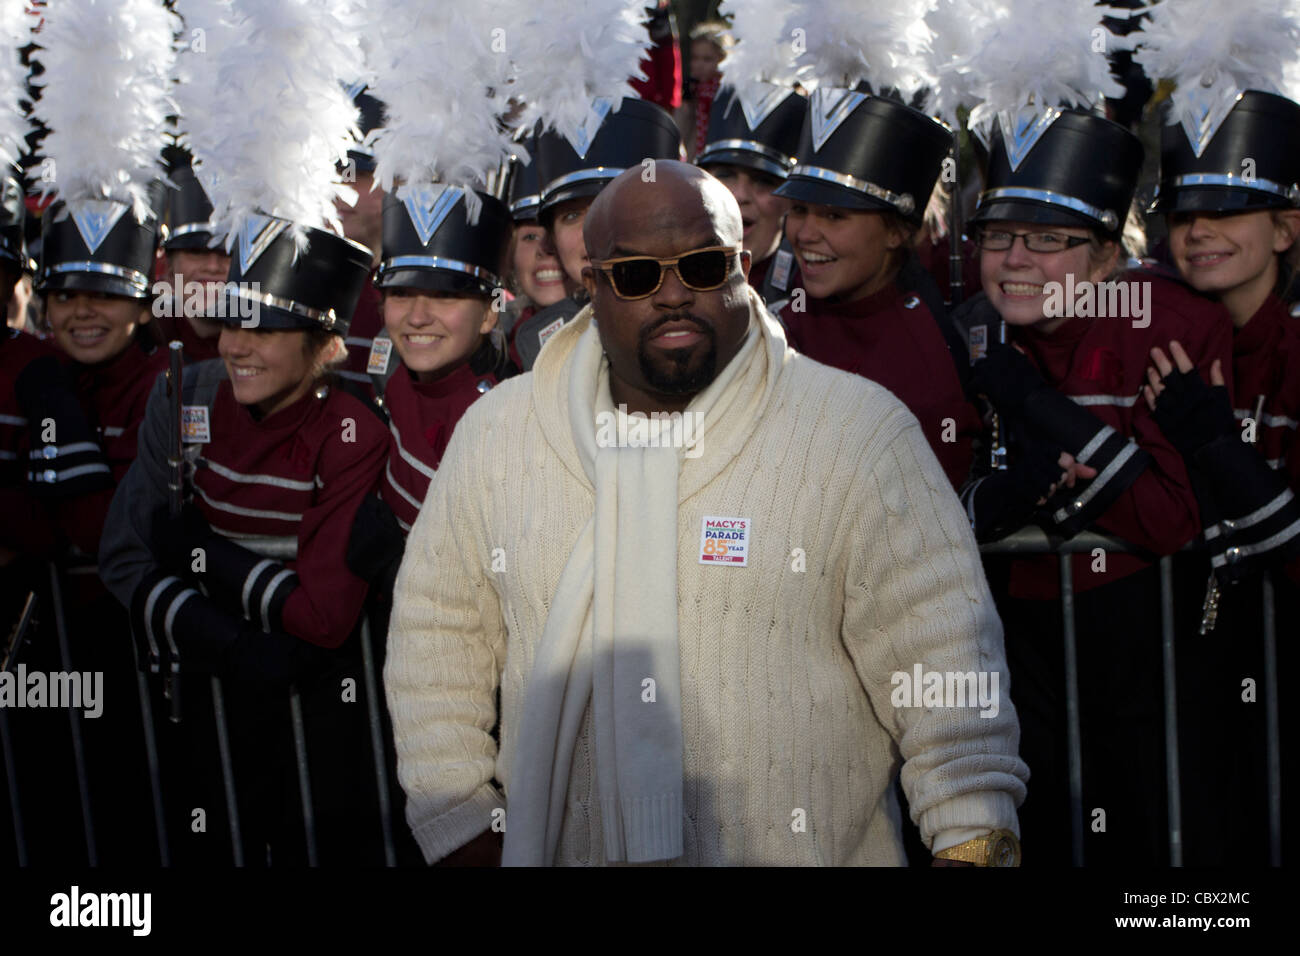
[856, 201]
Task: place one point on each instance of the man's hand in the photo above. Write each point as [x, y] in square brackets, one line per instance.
[483, 850]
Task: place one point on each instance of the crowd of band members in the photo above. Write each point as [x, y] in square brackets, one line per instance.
[312, 529]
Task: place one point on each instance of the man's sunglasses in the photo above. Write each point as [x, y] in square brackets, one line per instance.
[700, 270]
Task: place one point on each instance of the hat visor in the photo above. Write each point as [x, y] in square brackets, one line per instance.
[575, 190]
[1215, 199]
[250, 314]
[91, 282]
[1032, 211]
[194, 242]
[821, 193]
[435, 280]
[743, 158]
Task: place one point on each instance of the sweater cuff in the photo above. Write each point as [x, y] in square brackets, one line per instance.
[989, 810]
[450, 831]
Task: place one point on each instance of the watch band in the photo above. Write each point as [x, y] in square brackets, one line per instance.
[999, 848]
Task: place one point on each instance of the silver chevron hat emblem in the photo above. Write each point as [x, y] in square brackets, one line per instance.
[95, 219]
[1020, 132]
[255, 237]
[584, 135]
[827, 109]
[428, 206]
[1204, 109]
[757, 110]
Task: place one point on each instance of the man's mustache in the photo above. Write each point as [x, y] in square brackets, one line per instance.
[704, 325]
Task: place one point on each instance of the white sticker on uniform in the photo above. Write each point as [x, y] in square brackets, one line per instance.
[978, 338]
[781, 269]
[725, 541]
[550, 330]
[380, 351]
[194, 424]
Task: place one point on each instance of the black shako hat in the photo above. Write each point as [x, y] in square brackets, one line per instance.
[96, 245]
[1251, 161]
[764, 139]
[315, 288]
[189, 213]
[1066, 168]
[13, 220]
[859, 151]
[362, 157]
[524, 195]
[637, 131]
[430, 244]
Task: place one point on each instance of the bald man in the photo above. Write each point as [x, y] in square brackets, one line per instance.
[714, 583]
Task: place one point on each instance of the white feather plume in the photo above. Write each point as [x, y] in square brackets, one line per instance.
[15, 33]
[1212, 56]
[848, 41]
[264, 107]
[1019, 54]
[764, 54]
[567, 53]
[104, 97]
[442, 111]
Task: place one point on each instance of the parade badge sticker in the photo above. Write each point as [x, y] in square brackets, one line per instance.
[550, 330]
[978, 339]
[725, 541]
[380, 351]
[194, 424]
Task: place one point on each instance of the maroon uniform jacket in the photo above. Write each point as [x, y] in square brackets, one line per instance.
[422, 416]
[1266, 364]
[1100, 363]
[26, 526]
[891, 338]
[367, 321]
[194, 347]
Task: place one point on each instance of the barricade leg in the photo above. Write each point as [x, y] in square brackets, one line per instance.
[1172, 777]
[227, 770]
[304, 776]
[74, 719]
[1075, 740]
[377, 742]
[1274, 733]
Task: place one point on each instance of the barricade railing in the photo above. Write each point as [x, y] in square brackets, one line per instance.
[1027, 541]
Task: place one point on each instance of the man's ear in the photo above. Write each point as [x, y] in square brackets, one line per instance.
[589, 281]
[746, 262]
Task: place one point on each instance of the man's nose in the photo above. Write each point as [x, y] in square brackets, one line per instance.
[672, 293]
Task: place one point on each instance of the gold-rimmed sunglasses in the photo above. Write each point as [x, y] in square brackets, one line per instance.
[700, 270]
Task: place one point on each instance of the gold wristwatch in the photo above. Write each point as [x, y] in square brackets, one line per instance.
[999, 848]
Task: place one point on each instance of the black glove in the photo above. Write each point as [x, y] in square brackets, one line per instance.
[376, 542]
[66, 459]
[173, 540]
[1006, 377]
[276, 658]
[1005, 501]
[1192, 414]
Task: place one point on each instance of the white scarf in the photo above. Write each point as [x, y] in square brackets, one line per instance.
[612, 625]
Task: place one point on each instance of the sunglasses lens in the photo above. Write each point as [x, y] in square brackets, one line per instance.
[702, 271]
[635, 277]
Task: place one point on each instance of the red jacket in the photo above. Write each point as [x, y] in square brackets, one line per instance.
[288, 486]
[422, 416]
[27, 529]
[1101, 364]
[891, 338]
[367, 321]
[1266, 363]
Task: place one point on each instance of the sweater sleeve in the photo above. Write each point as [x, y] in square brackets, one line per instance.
[446, 647]
[916, 597]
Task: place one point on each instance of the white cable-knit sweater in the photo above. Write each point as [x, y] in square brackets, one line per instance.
[861, 565]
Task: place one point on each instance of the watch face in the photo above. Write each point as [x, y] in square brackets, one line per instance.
[1003, 853]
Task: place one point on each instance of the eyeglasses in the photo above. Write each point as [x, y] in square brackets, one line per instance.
[700, 270]
[996, 240]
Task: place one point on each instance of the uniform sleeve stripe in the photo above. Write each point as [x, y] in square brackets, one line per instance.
[68, 474]
[246, 512]
[1122, 401]
[388, 473]
[8, 455]
[1097, 440]
[407, 457]
[1272, 421]
[112, 431]
[154, 594]
[1098, 483]
[1259, 514]
[272, 480]
[12, 420]
[76, 448]
[270, 592]
[1261, 547]
[251, 579]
